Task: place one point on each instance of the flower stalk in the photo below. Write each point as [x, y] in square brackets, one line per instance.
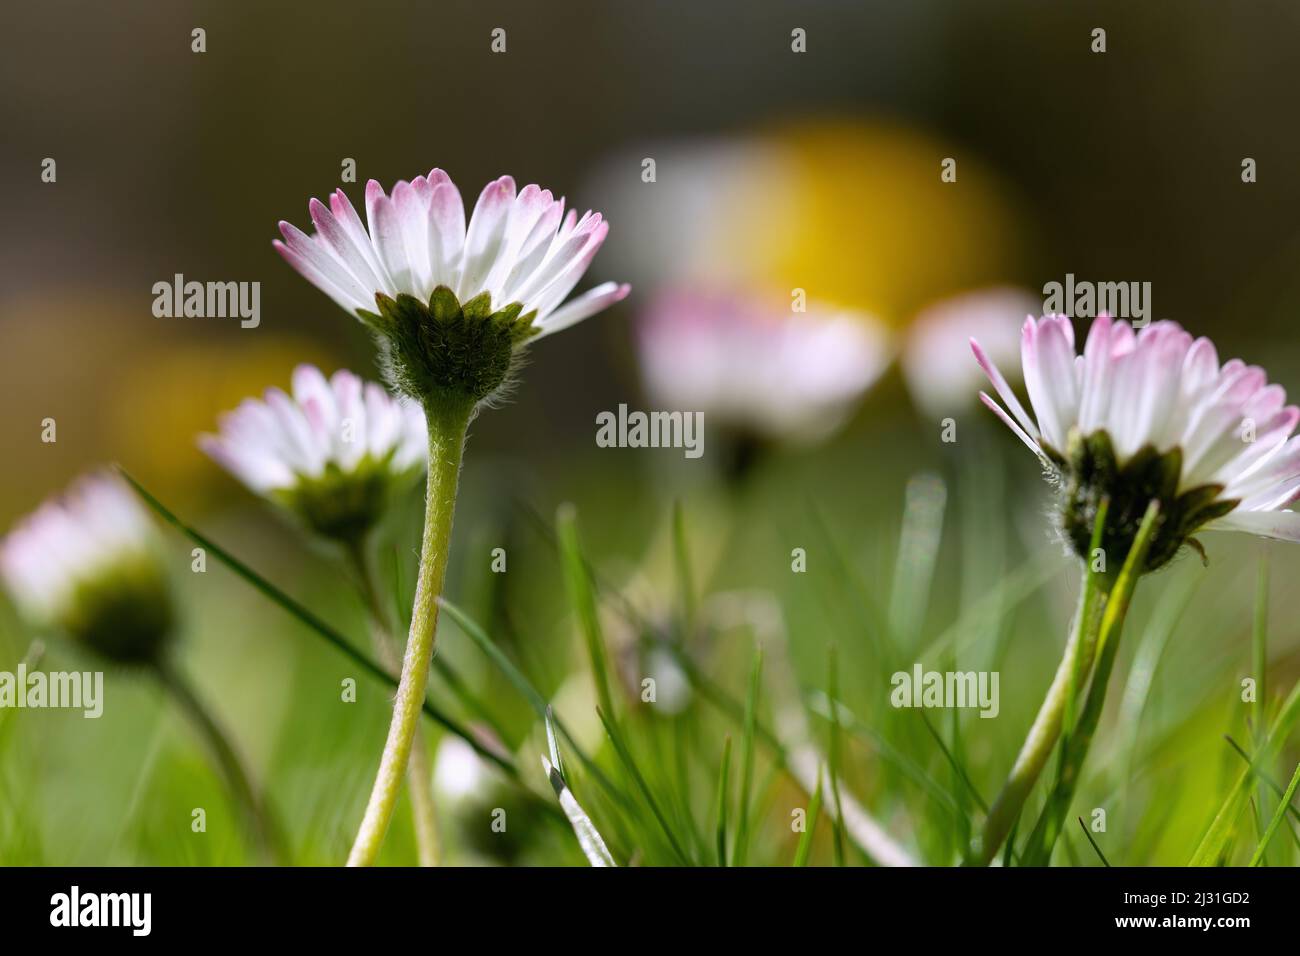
[1103, 607]
[447, 423]
[1042, 736]
[231, 767]
[1077, 735]
[387, 649]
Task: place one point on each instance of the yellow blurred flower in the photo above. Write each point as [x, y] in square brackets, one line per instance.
[867, 222]
[852, 212]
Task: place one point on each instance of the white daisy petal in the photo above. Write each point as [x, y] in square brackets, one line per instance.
[1282, 525]
[588, 304]
[1003, 389]
[486, 235]
[519, 247]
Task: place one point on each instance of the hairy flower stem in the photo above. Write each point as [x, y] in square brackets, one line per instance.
[1075, 664]
[420, 772]
[232, 769]
[447, 425]
[1103, 606]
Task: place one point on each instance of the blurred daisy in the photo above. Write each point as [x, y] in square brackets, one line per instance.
[520, 252]
[748, 362]
[459, 774]
[333, 453]
[88, 564]
[1153, 414]
[940, 377]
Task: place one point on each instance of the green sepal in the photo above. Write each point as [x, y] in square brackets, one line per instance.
[343, 505]
[125, 612]
[446, 352]
[1093, 472]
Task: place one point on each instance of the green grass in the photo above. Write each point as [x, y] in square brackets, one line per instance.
[755, 668]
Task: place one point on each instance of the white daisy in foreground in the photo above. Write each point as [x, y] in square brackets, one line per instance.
[748, 362]
[1151, 440]
[940, 376]
[1153, 415]
[451, 306]
[334, 453]
[451, 302]
[87, 564]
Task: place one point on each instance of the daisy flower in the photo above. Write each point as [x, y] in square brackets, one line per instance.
[451, 302]
[333, 453]
[940, 377]
[87, 564]
[1153, 415]
[749, 362]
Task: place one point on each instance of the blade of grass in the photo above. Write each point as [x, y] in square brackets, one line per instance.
[625, 756]
[493, 653]
[589, 838]
[820, 705]
[1272, 784]
[925, 501]
[722, 700]
[474, 705]
[312, 622]
[720, 802]
[660, 774]
[553, 745]
[804, 849]
[859, 825]
[30, 661]
[583, 600]
[526, 689]
[1008, 852]
[1093, 843]
[832, 689]
[1155, 638]
[957, 768]
[956, 762]
[1259, 645]
[1259, 660]
[682, 563]
[870, 620]
[1273, 824]
[741, 850]
[1015, 588]
[548, 535]
[1214, 846]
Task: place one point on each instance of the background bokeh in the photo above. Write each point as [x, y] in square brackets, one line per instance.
[1120, 166]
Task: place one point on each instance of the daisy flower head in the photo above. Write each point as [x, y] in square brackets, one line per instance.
[1153, 415]
[333, 453]
[88, 564]
[452, 301]
[746, 360]
[939, 374]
